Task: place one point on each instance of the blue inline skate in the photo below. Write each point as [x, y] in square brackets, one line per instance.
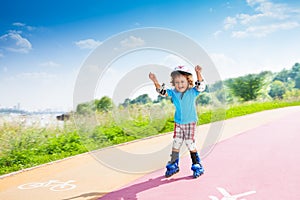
[172, 168]
[197, 168]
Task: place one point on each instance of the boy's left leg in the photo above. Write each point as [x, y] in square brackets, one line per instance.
[190, 143]
[197, 168]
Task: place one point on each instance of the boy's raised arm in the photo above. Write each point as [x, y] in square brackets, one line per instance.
[160, 89]
[200, 84]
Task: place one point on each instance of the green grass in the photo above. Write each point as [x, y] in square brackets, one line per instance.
[27, 147]
[237, 110]
[252, 107]
[22, 147]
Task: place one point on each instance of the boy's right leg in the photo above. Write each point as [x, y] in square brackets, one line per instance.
[172, 166]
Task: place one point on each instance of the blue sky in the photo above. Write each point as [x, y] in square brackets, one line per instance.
[43, 45]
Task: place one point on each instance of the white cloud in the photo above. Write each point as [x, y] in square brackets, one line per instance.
[18, 24]
[88, 44]
[217, 33]
[13, 41]
[269, 9]
[50, 64]
[246, 19]
[33, 76]
[132, 42]
[229, 22]
[22, 25]
[129, 43]
[268, 17]
[262, 31]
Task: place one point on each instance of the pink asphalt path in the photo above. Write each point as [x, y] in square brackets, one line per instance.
[261, 164]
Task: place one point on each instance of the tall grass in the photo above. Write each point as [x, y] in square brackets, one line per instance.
[22, 147]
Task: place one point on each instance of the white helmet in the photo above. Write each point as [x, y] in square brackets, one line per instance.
[183, 69]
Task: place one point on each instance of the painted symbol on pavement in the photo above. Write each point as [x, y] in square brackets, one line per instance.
[54, 185]
[228, 196]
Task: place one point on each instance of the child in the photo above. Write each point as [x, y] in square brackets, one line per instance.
[183, 97]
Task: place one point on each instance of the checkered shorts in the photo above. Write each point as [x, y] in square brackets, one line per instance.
[185, 131]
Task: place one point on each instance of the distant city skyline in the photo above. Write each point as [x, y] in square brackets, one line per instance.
[18, 107]
[43, 47]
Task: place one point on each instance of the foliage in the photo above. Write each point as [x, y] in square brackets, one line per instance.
[297, 81]
[246, 87]
[142, 99]
[203, 99]
[85, 108]
[277, 89]
[216, 86]
[282, 76]
[104, 104]
[292, 95]
[27, 147]
[295, 71]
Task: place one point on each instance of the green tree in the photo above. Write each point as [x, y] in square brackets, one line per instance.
[282, 76]
[295, 71]
[277, 89]
[142, 99]
[297, 81]
[224, 96]
[264, 91]
[104, 104]
[126, 102]
[85, 108]
[203, 99]
[159, 99]
[293, 95]
[246, 87]
[216, 86]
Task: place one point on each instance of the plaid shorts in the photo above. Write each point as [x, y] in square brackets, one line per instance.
[185, 131]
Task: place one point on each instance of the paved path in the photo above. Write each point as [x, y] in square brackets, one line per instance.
[262, 163]
[257, 157]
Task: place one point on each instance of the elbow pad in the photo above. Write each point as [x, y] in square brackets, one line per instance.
[201, 86]
[161, 90]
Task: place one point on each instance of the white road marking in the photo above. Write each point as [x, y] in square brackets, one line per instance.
[228, 196]
[54, 185]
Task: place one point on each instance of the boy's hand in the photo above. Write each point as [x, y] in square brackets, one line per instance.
[155, 81]
[152, 77]
[198, 68]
